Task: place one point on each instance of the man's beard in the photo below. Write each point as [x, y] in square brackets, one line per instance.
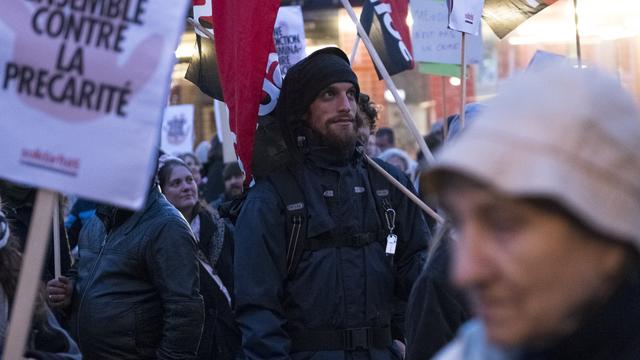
[342, 142]
[233, 193]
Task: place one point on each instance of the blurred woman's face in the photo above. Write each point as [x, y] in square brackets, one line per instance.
[398, 162]
[181, 189]
[194, 167]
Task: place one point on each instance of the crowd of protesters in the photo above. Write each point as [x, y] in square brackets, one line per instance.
[536, 255]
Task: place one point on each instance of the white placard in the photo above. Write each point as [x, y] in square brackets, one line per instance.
[82, 90]
[288, 34]
[433, 41]
[466, 16]
[177, 129]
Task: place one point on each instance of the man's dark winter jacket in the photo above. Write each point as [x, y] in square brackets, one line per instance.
[332, 288]
[137, 293]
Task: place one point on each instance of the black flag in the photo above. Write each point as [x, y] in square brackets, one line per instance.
[384, 22]
[203, 68]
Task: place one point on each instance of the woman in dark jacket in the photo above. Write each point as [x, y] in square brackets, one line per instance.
[221, 336]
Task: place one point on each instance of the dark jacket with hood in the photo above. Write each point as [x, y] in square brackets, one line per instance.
[137, 294]
[337, 301]
[332, 288]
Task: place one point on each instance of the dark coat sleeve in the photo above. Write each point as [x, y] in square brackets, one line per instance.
[173, 267]
[259, 269]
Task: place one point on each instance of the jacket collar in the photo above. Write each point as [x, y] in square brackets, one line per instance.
[114, 218]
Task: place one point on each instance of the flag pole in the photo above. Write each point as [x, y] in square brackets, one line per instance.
[354, 52]
[578, 47]
[201, 28]
[463, 79]
[416, 200]
[445, 123]
[29, 278]
[56, 236]
[406, 115]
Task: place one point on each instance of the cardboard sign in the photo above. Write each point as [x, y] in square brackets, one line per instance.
[434, 42]
[177, 129]
[82, 89]
[288, 34]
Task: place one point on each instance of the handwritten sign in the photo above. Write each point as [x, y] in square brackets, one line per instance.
[82, 88]
[433, 41]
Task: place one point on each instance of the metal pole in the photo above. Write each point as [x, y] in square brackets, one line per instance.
[463, 79]
[445, 123]
[578, 47]
[354, 52]
[56, 236]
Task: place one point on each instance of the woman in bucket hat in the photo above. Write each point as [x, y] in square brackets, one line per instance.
[544, 194]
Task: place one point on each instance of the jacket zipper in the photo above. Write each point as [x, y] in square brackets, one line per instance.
[91, 279]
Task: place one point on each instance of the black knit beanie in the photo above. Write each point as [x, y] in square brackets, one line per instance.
[303, 83]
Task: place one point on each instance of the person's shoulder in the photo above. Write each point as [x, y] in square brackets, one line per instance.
[268, 188]
[92, 228]
[163, 214]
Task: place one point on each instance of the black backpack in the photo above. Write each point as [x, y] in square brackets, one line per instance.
[286, 183]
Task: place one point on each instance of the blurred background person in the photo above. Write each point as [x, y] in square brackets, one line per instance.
[233, 184]
[19, 202]
[47, 339]
[215, 165]
[385, 138]
[401, 160]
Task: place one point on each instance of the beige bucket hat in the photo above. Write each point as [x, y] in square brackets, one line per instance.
[569, 135]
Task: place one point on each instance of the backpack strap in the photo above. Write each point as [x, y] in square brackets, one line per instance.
[381, 188]
[290, 192]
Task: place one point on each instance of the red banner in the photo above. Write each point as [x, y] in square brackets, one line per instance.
[243, 32]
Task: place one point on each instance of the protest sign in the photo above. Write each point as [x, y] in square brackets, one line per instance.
[177, 129]
[433, 41]
[82, 89]
[465, 15]
[288, 34]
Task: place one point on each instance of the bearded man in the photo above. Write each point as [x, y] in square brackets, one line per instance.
[317, 265]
